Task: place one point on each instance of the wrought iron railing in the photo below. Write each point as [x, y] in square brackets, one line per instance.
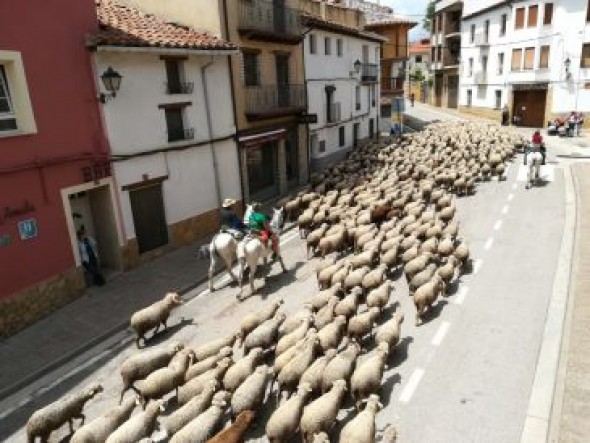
[369, 72]
[392, 83]
[179, 87]
[269, 17]
[274, 98]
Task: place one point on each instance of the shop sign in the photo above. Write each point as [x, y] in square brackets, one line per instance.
[27, 229]
[307, 118]
[5, 240]
[96, 171]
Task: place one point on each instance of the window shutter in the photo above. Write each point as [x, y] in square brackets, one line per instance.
[533, 15]
[544, 60]
[548, 14]
[516, 58]
[519, 19]
[586, 56]
[529, 58]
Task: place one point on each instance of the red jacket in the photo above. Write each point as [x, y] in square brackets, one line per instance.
[537, 139]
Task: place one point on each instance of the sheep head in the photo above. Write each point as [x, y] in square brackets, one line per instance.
[173, 298]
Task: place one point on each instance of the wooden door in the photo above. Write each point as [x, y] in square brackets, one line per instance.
[147, 206]
[530, 105]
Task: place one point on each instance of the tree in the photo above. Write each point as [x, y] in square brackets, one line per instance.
[429, 16]
[417, 75]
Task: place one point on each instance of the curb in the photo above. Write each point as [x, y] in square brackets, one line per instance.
[536, 425]
[15, 387]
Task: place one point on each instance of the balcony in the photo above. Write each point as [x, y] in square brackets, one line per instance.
[266, 21]
[482, 39]
[181, 134]
[450, 59]
[480, 78]
[369, 72]
[333, 115]
[453, 29]
[179, 87]
[392, 84]
[273, 101]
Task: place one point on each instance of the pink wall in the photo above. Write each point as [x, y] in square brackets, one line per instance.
[51, 39]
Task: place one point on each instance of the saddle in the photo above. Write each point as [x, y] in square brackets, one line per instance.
[238, 235]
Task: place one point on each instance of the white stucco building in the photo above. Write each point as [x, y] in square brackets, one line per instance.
[342, 67]
[530, 55]
[170, 126]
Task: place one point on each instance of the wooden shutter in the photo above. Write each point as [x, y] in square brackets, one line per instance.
[533, 15]
[548, 14]
[519, 20]
[544, 59]
[500, 63]
[529, 58]
[251, 77]
[586, 56]
[516, 58]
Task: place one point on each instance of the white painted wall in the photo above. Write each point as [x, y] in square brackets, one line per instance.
[135, 123]
[566, 35]
[322, 70]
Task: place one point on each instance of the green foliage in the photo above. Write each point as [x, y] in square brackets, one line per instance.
[429, 16]
[417, 75]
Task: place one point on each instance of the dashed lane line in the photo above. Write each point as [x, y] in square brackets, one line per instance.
[461, 295]
[497, 225]
[514, 185]
[510, 197]
[410, 388]
[489, 243]
[440, 333]
[505, 209]
[477, 266]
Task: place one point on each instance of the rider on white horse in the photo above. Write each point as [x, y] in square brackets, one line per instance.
[230, 222]
[260, 224]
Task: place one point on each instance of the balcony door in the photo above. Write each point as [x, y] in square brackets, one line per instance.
[282, 65]
[279, 16]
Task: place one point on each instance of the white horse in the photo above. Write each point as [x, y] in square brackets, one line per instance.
[251, 250]
[223, 247]
[534, 159]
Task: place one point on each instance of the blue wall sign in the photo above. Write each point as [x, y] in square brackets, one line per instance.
[27, 229]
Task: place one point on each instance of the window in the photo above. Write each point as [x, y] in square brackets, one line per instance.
[7, 117]
[544, 57]
[516, 59]
[500, 63]
[498, 103]
[175, 124]
[341, 136]
[519, 19]
[588, 12]
[548, 14]
[469, 97]
[533, 15]
[251, 69]
[486, 31]
[327, 45]
[503, 21]
[472, 34]
[174, 83]
[373, 100]
[357, 94]
[418, 59]
[484, 63]
[470, 68]
[529, 58]
[339, 47]
[313, 44]
[439, 53]
[586, 55]
[322, 147]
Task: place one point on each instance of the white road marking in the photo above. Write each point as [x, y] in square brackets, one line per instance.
[461, 295]
[497, 225]
[477, 266]
[489, 243]
[505, 209]
[412, 385]
[514, 185]
[547, 173]
[510, 197]
[440, 334]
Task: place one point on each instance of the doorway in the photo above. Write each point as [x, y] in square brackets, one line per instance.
[530, 106]
[355, 134]
[262, 164]
[452, 91]
[282, 67]
[371, 128]
[292, 159]
[149, 218]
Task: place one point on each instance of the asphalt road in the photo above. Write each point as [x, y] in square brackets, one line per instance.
[463, 376]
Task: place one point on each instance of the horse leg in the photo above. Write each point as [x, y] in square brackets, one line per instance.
[212, 271]
[252, 272]
[241, 278]
[282, 263]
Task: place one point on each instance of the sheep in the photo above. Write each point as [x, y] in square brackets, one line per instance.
[426, 295]
[190, 410]
[349, 304]
[292, 338]
[282, 359]
[164, 380]
[240, 370]
[355, 277]
[389, 434]
[289, 376]
[325, 275]
[320, 415]
[255, 319]
[361, 429]
[366, 237]
[196, 385]
[250, 394]
[341, 366]
[374, 278]
[362, 324]
[430, 245]
[284, 421]
[314, 237]
[265, 334]
[332, 243]
[422, 277]
[321, 298]
[139, 426]
[366, 378]
[416, 265]
[320, 437]
[446, 247]
[213, 347]
[324, 263]
[209, 363]
[390, 258]
[340, 275]
[379, 296]
[140, 365]
[462, 253]
[154, 316]
[235, 433]
[99, 429]
[325, 315]
[313, 374]
[199, 429]
[330, 335]
[389, 331]
[54, 415]
[291, 323]
[447, 271]
[304, 222]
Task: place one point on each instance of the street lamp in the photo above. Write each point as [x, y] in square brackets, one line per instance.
[111, 80]
[357, 66]
[567, 64]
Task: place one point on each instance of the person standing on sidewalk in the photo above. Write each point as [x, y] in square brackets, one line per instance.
[89, 256]
[505, 115]
[412, 98]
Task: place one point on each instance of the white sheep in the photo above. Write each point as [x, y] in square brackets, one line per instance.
[203, 366]
[99, 429]
[292, 338]
[284, 421]
[426, 295]
[250, 394]
[374, 278]
[154, 316]
[201, 428]
[196, 385]
[282, 359]
[213, 347]
[292, 322]
[331, 335]
[289, 376]
[361, 429]
[321, 298]
[355, 277]
[140, 365]
[379, 297]
[139, 426]
[240, 370]
[256, 318]
[52, 416]
[320, 415]
[325, 315]
[349, 304]
[389, 331]
[313, 374]
[366, 378]
[341, 366]
[362, 324]
[264, 335]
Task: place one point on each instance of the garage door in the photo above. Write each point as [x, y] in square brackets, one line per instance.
[530, 105]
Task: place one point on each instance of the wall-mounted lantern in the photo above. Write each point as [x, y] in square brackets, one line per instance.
[357, 66]
[111, 81]
[567, 64]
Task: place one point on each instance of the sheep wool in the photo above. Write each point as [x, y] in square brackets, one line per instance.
[154, 316]
[99, 429]
[361, 429]
[255, 319]
[264, 335]
[250, 394]
[235, 433]
[313, 375]
[139, 426]
[196, 385]
[240, 370]
[341, 366]
[320, 415]
[285, 419]
[204, 425]
[213, 347]
[366, 378]
[203, 366]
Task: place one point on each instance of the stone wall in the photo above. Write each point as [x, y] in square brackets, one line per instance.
[29, 305]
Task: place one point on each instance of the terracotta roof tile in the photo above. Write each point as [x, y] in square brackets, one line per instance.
[391, 21]
[121, 25]
[317, 22]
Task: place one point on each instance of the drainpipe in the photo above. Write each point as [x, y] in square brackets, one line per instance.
[210, 131]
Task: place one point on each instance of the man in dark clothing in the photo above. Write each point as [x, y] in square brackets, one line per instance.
[229, 219]
[89, 256]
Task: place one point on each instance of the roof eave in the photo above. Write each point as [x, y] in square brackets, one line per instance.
[160, 50]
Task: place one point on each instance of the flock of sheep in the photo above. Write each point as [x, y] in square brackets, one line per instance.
[389, 209]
